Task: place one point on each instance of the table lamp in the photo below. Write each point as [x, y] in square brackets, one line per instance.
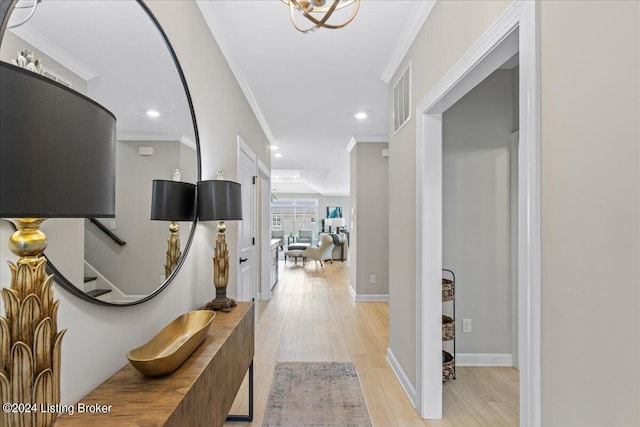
[338, 223]
[220, 200]
[172, 201]
[57, 160]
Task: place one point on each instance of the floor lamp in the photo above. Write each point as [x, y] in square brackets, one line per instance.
[220, 200]
[57, 160]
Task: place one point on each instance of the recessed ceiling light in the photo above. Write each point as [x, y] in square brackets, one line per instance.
[273, 147]
[361, 115]
[276, 177]
[153, 113]
[278, 155]
[296, 177]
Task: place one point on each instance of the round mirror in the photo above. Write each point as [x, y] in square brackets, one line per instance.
[115, 53]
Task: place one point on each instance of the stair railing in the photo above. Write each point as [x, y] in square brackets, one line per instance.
[106, 231]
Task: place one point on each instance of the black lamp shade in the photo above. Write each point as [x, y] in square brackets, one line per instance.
[219, 200]
[173, 200]
[57, 150]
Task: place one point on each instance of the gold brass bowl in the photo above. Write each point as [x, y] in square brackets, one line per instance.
[172, 345]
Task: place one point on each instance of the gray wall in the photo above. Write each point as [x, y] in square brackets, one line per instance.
[353, 219]
[188, 164]
[590, 217]
[590, 213]
[460, 23]
[138, 267]
[371, 222]
[476, 203]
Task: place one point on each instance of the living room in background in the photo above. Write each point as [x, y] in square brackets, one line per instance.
[293, 215]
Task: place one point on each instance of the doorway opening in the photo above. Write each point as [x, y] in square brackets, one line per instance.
[514, 32]
[479, 242]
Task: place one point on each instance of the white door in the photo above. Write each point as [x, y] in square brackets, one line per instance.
[247, 260]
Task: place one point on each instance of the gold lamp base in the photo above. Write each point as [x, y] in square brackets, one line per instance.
[221, 274]
[173, 249]
[30, 344]
[222, 302]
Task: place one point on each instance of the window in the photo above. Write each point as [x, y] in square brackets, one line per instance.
[294, 215]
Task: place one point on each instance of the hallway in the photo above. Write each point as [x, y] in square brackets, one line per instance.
[312, 317]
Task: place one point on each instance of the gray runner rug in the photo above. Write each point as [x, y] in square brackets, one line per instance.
[316, 394]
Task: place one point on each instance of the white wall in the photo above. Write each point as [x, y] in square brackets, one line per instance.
[476, 212]
[370, 178]
[99, 337]
[11, 44]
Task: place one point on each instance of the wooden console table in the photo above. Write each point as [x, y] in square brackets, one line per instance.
[198, 393]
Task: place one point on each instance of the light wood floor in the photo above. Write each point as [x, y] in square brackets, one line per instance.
[312, 317]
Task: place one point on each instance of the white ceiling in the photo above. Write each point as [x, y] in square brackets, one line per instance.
[304, 88]
[308, 86]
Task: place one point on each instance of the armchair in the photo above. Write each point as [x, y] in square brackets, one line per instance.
[305, 236]
[340, 251]
[322, 251]
[278, 234]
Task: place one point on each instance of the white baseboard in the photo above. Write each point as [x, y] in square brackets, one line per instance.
[372, 297]
[352, 292]
[367, 297]
[484, 359]
[408, 388]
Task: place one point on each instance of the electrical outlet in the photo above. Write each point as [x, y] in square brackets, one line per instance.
[466, 326]
[372, 278]
[112, 224]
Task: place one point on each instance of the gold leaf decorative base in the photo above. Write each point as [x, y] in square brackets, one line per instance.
[30, 344]
[221, 274]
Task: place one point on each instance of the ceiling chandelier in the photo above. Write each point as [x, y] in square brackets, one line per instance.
[319, 13]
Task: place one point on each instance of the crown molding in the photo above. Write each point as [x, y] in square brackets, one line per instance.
[51, 49]
[351, 144]
[188, 142]
[211, 20]
[421, 11]
[373, 138]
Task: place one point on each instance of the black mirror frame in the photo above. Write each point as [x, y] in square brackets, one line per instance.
[6, 7]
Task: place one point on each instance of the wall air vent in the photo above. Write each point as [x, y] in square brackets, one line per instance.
[402, 100]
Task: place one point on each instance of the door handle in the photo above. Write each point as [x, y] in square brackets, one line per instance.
[243, 260]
